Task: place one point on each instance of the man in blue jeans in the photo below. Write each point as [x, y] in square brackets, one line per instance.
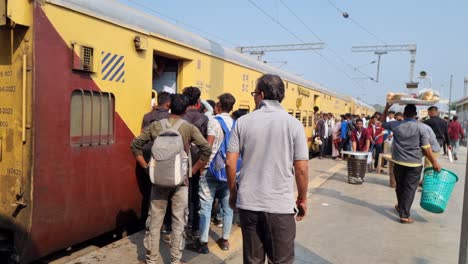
[209, 185]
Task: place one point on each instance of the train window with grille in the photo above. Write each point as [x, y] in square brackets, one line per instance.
[310, 119]
[304, 118]
[92, 117]
[298, 115]
[291, 112]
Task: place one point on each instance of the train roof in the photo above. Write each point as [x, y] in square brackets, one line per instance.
[123, 15]
[361, 103]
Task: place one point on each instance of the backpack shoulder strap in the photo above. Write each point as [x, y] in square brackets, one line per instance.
[223, 124]
[165, 123]
[177, 125]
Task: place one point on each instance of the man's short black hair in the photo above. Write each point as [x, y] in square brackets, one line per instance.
[164, 97]
[410, 111]
[238, 113]
[348, 115]
[179, 104]
[193, 94]
[455, 118]
[433, 108]
[226, 102]
[378, 113]
[316, 108]
[272, 87]
[391, 112]
[211, 102]
[399, 114]
[359, 120]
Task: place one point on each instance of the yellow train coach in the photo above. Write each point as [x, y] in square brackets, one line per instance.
[76, 77]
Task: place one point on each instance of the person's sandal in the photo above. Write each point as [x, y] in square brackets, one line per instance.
[406, 220]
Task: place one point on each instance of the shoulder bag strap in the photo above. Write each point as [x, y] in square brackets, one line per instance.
[223, 124]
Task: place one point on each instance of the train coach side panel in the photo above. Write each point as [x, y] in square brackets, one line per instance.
[79, 191]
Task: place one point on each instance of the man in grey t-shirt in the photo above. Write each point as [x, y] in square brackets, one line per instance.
[274, 152]
[410, 141]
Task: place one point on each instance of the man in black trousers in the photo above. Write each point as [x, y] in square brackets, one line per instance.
[410, 141]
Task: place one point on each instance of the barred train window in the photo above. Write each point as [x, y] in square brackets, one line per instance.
[298, 115]
[304, 118]
[291, 112]
[92, 118]
[310, 118]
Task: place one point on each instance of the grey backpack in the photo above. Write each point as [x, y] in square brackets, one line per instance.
[169, 164]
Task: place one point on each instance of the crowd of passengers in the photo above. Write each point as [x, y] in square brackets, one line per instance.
[267, 216]
[365, 133]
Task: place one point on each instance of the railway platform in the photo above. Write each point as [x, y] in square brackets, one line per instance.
[345, 224]
[130, 250]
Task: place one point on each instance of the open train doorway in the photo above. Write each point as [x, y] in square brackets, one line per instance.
[165, 73]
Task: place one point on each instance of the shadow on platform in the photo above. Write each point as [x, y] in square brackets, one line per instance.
[305, 255]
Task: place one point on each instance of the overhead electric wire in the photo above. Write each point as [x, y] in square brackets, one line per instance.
[357, 24]
[302, 22]
[298, 38]
[327, 47]
[183, 23]
[276, 21]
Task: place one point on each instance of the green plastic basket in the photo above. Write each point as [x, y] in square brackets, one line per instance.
[437, 188]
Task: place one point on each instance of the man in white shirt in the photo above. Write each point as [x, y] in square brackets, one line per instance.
[364, 121]
[391, 116]
[210, 187]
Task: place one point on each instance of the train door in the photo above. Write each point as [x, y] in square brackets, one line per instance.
[15, 124]
[165, 74]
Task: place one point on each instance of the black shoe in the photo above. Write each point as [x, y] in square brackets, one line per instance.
[199, 247]
[223, 244]
[455, 157]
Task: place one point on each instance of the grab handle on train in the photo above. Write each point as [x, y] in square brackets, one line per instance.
[23, 125]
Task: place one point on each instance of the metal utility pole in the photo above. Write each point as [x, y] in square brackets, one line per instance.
[379, 54]
[450, 94]
[384, 49]
[261, 50]
[463, 252]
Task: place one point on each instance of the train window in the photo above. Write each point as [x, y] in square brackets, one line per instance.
[291, 112]
[91, 118]
[298, 115]
[310, 118]
[85, 60]
[304, 118]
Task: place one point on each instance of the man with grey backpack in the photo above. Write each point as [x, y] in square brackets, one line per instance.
[168, 170]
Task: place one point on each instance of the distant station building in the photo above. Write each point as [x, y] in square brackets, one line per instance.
[461, 107]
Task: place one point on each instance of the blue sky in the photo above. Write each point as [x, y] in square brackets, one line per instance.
[439, 28]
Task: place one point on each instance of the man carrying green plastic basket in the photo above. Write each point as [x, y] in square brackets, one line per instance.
[410, 142]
